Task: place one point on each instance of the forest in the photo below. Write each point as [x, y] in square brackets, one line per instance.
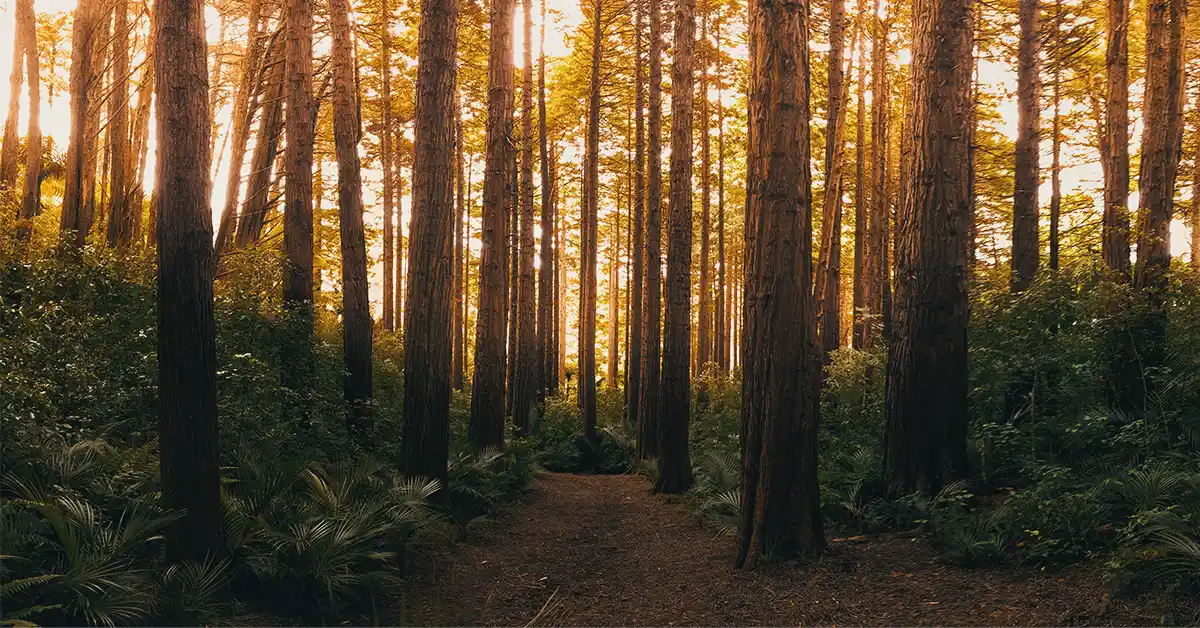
[608, 312]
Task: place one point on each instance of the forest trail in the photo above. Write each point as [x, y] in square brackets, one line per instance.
[603, 550]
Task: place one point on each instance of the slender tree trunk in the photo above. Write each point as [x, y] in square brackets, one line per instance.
[8, 154]
[141, 143]
[398, 255]
[636, 315]
[614, 299]
[649, 411]
[95, 194]
[878, 285]
[546, 301]
[459, 208]
[560, 287]
[525, 384]
[120, 215]
[703, 333]
[1115, 249]
[487, 384]
[76, 211]
[431, 241]
[1195, 214]
[827, 292]
[241, 118]
[1056, 148]
[721, 328]
[925, 437]
[780, 500]
[1161, 146]
[297, 373]
[266, 151]
[356, 304]
[1025, 247]
[588, 236]
[32, 200]
[674, 465]
[514, 256]
[187, 365]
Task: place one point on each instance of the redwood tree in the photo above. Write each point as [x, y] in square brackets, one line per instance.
[1025, 247]
[648, 406]
[674, 464]
[780, 500]
[926, 390]
[187, 347]
[634, 376]
[588, 235]
[525, 383]
[430, 246]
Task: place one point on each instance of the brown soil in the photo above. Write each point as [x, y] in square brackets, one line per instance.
[602, 550]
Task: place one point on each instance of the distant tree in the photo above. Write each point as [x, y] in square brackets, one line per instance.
[1025, 248]
[77, 214]
[648, 406]
[31, 204]
[589, 232]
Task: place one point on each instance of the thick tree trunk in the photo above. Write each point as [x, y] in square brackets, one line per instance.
[525, 383]
[31, 204]
[1025, 247]
[487, 384]
[8, 154]
[674, 464]
[241, 118]
[456, 358]
[926, 437]
[187, 365]
[121, 219]
[649, 412]
[266, 151]
[1115, 248]
[781, 506]
[634, 376]
[387, 159]
[546, 292]
[76, 211]
[356, 304]
[297, 363]
[431, 241]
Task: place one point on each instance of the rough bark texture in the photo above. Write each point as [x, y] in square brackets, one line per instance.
[1025, 247]
[648, 406]
[780, 499]
[487, 384]
[431, 243]
[525, 383]
[1115, 247]
[250, 72]
[121, 217]
[546, 276]
[588, 237]
[674, 464]
[829, 270]
[187, 364]
[76, 211]
[925, 437]
[31, 204]
[704, 329]
[356, 305]
[387, 159]
[634, 376]
[297, 366]
[456, 358]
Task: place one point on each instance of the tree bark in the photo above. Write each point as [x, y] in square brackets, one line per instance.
[526, 384]
[780, 499]
[456, 358]
[588, 236]
[721, 328]
[1056, 148]
[546, 292]
[76, 211]
[487, 384]
[431, 241]
[141, 144]
[703, 332]
[878, 288]
[634, 376]
[1025, 248]
[297, 363]
[266, 151]
[1195, 214]
[1115, 248]
[925, 437]
[8, 154]
[187, 366]
[649, 412]
[674, 464]
[121, 218]
[829, 271]
[32, 199]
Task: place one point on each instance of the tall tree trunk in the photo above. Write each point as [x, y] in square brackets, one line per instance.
[8, 154]
[827, 284]
[634, 376]
[431, 240]
[925, 437]
[187, 365]
[1056, 146]
[121, 221]
[297, 372]
[674, 465]
[387, 159]
[1025, 247]
[514, 256]
[780, 500]
[703, 333]
[76, 217]
[356, 304]
[398, 255]
[560, 285]
[614, 298]
[649, 412]
[141, 143]
[545, 339]
[1115, 249]
[878, 289]
[95, 194]
[456, 358]
[266, 151]
[589, 231]
[240, 132]
[860, 192]
[1161, 146]
[32, 200]
[1195, 214]
[721, 328]
[526, 384]
[487, 384]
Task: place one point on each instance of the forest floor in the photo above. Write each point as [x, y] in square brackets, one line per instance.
[605, 551]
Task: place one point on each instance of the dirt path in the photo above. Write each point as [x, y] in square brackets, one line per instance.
[602, 550]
